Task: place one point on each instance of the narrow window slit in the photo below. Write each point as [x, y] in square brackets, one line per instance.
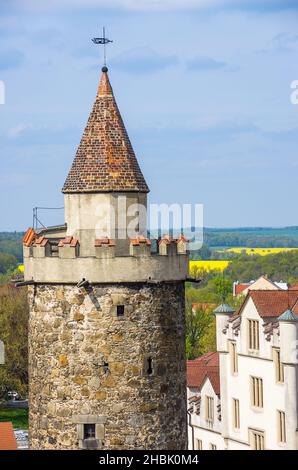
[120, 310]
[149, 366]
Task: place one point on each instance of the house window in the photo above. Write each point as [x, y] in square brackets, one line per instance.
[209, 409]
[256, 392]
[279, 367]
[212, 446]
[281, 426]
[236, 413]
[253, 335]
[89, 431]
[120, 311]
[198, 444]
[234, 357]
[257, 439]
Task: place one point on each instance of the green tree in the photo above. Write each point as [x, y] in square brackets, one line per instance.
[7, 262]
[222, 286]
[14, 333]
[198, 322]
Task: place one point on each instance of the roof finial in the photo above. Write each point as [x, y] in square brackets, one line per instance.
[103, 40]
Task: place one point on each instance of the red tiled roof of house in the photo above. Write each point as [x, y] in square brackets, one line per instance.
[272, 303]
[206, 366]
[7, 437]
[294, 287]
[240, 287]
[105, 160]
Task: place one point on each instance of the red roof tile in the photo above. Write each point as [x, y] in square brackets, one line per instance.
[104, 241]
[140, 240]
[167, 240]
[272, 303]
[7, 437]
[29, 237]
[240, 287]
[105, 160]
[294, 287]
[206, 366]
[68, 241]
[42, 241]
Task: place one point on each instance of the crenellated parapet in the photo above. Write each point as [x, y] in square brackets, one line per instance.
[169, 246]
[140, 246]
[68, 247]
[58, 259]
[104, 248]
[42, 247]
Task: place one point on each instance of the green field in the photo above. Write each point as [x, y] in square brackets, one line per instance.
[19, 417]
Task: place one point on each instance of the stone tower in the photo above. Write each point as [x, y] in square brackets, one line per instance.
[106, 329]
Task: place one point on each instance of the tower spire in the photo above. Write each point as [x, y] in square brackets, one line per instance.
[105, 160]
[104, 41]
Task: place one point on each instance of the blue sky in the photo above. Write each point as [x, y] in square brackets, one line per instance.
[203, 87]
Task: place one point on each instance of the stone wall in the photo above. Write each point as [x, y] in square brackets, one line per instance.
[88, 365]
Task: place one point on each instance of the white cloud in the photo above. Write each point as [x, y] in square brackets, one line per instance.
[155, 5]
[133, 5]
[16, 131]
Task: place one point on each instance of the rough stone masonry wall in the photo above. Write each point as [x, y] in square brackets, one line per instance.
[73, 331]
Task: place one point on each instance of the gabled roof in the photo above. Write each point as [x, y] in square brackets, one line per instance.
[105, 160]
[206, 366]
[272, 303]
[240, 287]
[7, 437]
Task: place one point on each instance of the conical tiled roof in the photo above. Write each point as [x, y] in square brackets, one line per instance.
[224, 308]
[288, 315]
[105, 160]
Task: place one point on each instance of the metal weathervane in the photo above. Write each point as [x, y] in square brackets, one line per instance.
[103, 40]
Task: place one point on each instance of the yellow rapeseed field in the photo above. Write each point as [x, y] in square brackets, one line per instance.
[259, 251]
[209, 265]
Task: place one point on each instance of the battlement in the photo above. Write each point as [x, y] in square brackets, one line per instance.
[49, 259]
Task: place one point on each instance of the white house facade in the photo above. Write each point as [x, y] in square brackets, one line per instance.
[258, 373]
